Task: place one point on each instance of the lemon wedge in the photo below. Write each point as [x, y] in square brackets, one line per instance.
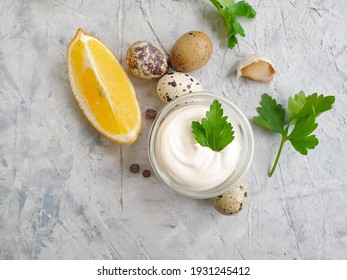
[102, 89]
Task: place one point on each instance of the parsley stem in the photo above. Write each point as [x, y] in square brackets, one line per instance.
[284, 139]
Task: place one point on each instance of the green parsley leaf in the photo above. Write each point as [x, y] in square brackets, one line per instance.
[226, 3]
[295, 104]
[243, 9]
[271, 114]
[303, 111]
[300, 136]
[200, 134]
[214, 131]
[229, 10]
[302, 106]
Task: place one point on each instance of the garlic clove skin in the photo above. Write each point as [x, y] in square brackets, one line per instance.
[256, 67]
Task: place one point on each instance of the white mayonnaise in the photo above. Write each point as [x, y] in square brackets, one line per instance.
[185, 161]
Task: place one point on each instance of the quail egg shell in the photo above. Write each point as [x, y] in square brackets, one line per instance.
[231, 202]
[191, 51]
[173, 85]
[146, 61]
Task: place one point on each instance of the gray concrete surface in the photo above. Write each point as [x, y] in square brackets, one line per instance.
[66, 191]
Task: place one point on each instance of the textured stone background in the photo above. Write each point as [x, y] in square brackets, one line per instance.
[66, 192]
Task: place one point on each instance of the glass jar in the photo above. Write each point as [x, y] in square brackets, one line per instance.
[242, 129]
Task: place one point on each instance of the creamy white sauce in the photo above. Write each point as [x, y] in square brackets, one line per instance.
[184, 160]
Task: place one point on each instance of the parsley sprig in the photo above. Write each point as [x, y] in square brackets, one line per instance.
[303, 111]
[230, 11]
[214, 131]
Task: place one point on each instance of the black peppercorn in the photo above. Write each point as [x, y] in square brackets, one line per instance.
[151, 114]
[134, 168]
[146, 173]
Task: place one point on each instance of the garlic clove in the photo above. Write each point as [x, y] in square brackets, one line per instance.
[256, 67]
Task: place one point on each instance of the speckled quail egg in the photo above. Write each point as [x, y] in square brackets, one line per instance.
[173, 85]
[146, 61]
[231, 202]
